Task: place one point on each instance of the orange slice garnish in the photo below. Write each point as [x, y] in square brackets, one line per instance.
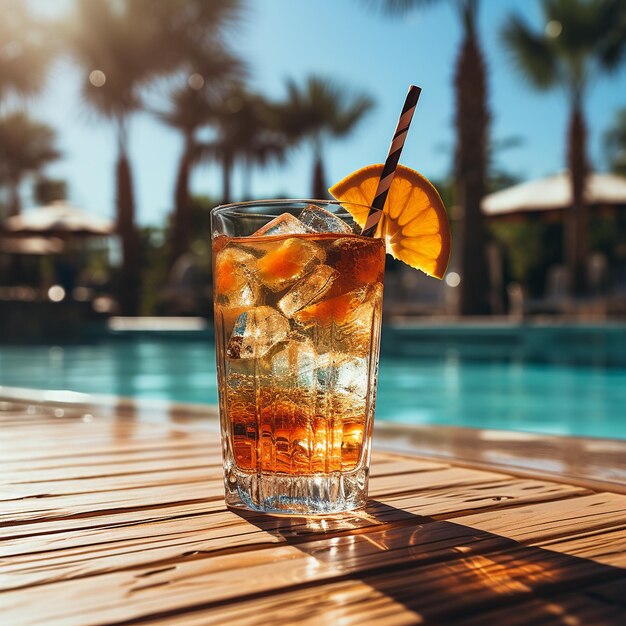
[414, 223]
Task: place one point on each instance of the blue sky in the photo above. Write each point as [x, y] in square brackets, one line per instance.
[360, 48]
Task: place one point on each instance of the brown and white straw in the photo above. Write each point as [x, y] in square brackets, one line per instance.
[393, 156]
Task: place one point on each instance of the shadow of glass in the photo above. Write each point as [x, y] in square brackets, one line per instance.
[441, 570]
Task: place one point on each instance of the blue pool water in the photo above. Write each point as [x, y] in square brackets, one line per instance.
[550, 380]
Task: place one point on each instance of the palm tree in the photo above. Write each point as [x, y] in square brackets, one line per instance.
[255, 127]
[123, 47]
[25, 56]
[582, 38]
[25, 53]
[192, 107]
[25, 147]
[472, 133]
[247, 132]
[188, 112]
[317, 111]
[615, 142]
[119, 58]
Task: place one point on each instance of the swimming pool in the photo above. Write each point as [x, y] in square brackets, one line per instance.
[559, 380]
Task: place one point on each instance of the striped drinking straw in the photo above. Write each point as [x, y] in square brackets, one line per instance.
[391, 162]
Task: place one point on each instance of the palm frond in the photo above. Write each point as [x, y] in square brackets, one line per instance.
[532, 53]
[101, 38]
[612, 50]
[347, 119]
[580, 21]
[398, 7]
[190, 32]
[26, 145]
[590, 37]
[135, 42]
[217, 66]
[246, 129]
[321, 106]
[26, 50]
[188, 109]
[615, 143]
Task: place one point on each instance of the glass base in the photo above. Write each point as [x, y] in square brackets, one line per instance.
[313, 494]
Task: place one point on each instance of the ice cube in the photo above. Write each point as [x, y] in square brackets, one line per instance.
[322, 221]
[356, 333]
[331, 311]
[308, 290]
[352, 377]
[235, 285]
[255, 332]
[331, 359]
[285, 224]
[342, 373]
[285, 263]
[293, 362]
[344, 323]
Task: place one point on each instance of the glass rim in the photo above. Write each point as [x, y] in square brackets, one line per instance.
[233, 206]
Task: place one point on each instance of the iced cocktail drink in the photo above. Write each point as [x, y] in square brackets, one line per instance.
[298, 300]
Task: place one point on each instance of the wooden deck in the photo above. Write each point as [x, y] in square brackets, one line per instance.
[107, 518]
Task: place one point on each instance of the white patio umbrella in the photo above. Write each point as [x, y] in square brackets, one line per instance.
[554, 193]
[58, 219]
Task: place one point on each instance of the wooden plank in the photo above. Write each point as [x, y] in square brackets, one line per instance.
[462, 499]
[77, 487]
[89, 504]
[387, 466]
[135, 467]
[537, 521]
[111, 459]
[72, 421]
[406, 482]
[97, 442]
[17, 421]
[52, 528]
[167, 445]
[603, 546]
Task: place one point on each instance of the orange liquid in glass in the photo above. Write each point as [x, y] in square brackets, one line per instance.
[297, 320]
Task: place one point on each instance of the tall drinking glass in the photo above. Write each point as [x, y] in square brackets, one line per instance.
[298, 299]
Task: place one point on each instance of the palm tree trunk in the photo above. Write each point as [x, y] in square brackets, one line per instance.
[181, 226]
[227, 166]
[246, 187]
[471, 119]
[15, 202]
[318, 188]
[576, 223]
[130, 278]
